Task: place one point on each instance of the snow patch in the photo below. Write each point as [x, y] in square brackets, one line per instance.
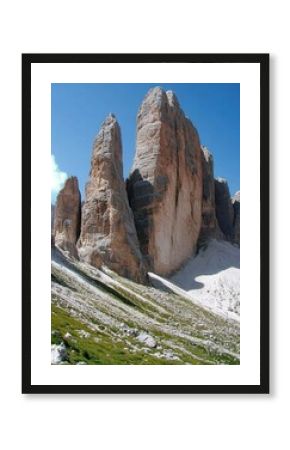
[210, 279]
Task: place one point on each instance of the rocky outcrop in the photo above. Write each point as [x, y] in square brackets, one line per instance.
[67, 215]
[171, 205]
[108, 234]
[236, 226]
[52, 224]
[224, 208]
[209, 223]
[165, 184]
[52, 217]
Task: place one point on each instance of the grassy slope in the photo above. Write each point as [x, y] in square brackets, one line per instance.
[98, 316]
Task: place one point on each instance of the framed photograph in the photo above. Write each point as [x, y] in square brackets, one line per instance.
[145, 245]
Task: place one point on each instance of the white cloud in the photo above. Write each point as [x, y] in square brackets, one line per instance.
[57, 178]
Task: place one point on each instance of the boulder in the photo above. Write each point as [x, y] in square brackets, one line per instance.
[146, 339]
[108, 235]
[224, 208]
[165, 183]
[67, 217]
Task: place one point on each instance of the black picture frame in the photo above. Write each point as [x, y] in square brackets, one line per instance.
[263, 61]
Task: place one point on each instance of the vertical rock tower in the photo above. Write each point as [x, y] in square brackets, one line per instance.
[67, 217]
[224, 208]
[209, 226]
[165, 184]
[108, 235]
[236, 206]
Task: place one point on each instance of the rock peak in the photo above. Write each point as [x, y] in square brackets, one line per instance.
[107, 145]
[71, 183]
[108, 235]
[157, 90]
[67, 216]
[165, 185]
[155, 96]
[110, 120]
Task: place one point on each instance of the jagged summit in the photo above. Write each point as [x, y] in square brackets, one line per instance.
[109, 119]
[171, 204]
[155, 91]
[158, 92]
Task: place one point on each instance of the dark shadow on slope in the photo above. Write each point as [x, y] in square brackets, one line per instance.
[211, 260]
[215, 258]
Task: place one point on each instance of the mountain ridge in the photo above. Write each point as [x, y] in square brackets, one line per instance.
[156, 219]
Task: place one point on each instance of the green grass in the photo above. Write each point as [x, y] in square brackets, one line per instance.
[99, 348]
[105, 351]
[107, 344]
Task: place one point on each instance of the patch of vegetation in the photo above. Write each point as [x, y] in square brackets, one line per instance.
[58, 279]
[89, 339]
[95, 348]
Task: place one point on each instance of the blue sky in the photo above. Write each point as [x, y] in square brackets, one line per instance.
[78, 111]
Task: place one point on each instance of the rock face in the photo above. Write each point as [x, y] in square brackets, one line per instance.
[236, 206]
[52, 217]
[224, 208]
[209, 225]
[67, 217]
[165, 184]
[108, 234]
[175, 201]
[52, 224]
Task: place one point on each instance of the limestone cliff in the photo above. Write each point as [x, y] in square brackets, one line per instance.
[209, 224]
[236, 206]
[224, 208]
[108, 234]
[165, 184]
[67, 212]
